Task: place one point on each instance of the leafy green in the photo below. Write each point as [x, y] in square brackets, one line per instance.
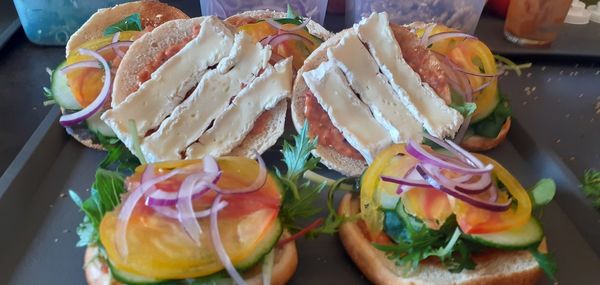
[105, 195]
[48, 95]
[490, 126]
[545, 261]
[300, 195]
[415, 242]
[464, 108]
[118, 157]
[132, 22]
[291, 14]
[542, 192]
[590, 185]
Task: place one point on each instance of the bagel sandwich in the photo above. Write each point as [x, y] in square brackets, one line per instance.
[368, 87]
[417, 221]
[81, 85]
[199, 87]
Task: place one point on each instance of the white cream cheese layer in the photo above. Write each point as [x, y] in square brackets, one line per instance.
[351, 56]
[168, 85]
[237, 120]
[214, 92]
[422, 101]
[347, 113]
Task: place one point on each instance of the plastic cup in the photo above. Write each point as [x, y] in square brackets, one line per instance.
[535, 22]
[314, 9]
[460, 14]
[51, 22]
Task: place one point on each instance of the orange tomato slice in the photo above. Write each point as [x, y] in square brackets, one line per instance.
[159, 247]
[86, 83]
[300, 50]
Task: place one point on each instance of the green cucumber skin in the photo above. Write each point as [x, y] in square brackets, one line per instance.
[530, 234]
[263, 249]
[61, 91]
[96, 125]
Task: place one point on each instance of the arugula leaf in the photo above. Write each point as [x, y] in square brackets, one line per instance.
[415, 242]
[299, 195]
[542, 192]
[105, 195]
[590, 185]
[491, 125]
[464, 108]
[118, 157]
[291, 14]
[132, 22]
[545, 261]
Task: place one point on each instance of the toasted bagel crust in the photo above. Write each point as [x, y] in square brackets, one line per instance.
[284, 266]
[502, 267]
[479, 143]
[152, 12]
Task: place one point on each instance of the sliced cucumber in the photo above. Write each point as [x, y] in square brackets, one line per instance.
[529, 234]
[388, 201]
[132, 279]
[61, 92]
[266, 245]
[96, 125]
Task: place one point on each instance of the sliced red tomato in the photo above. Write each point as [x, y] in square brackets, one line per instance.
[86, 83]
[299, 49]
[429, 205]
[159, 247]
[475, 220]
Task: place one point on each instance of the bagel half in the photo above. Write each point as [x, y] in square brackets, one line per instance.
[426, 63]
[284, 266]
[267, 128]
[497, 267]
[153, 13]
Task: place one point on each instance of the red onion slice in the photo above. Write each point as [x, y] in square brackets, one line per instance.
[218, 244]
[185, 207]
[447, 35]
[406, 182]
[275, 40]
[81, 64]
[482, 184]
[478, 74]
[121, 44]
[279, 26]
[419, 153]
[129, 205]
[96, 105]
[164, 198]
[258, 183]
[174, 214]
[483, 86]
[491, 206]
[117, 50]
[427, 34]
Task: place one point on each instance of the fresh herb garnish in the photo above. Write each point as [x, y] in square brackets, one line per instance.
[105, 195]
[490, 126]
[464, 108]
[299, 195]
[545, 261]
[47, 92]
[132, 22]
[511, 65]
[590, 185]
[118, 157]
[415, 242]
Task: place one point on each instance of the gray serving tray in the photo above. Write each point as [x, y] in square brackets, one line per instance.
[38, 219]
